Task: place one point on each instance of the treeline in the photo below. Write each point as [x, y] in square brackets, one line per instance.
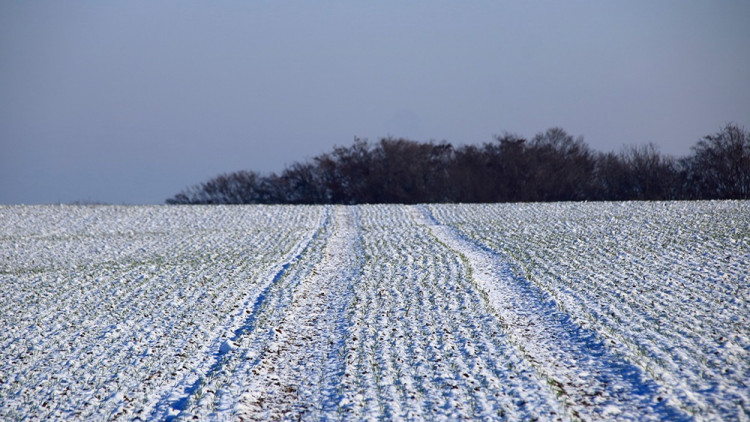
[551, 166]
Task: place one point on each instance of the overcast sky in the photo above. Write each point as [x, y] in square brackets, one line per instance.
[133, 101]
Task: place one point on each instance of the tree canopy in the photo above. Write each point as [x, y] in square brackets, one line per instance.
[551, 166]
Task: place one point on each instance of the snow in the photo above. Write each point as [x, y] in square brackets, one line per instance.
[664, 284]
[631, 311]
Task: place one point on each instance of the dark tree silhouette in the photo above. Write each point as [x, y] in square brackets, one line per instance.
[649, 175]
[562, 167]
[552, 166]
[242, 187]
[720, 165]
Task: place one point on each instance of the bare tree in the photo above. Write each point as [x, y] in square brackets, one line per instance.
[720, 165]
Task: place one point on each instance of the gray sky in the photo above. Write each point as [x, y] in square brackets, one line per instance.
[132, 101]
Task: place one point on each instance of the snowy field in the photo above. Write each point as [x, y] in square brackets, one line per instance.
[572, 311]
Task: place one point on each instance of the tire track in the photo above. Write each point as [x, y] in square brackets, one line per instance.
[593, 382]
[299, 373]
[184, 399]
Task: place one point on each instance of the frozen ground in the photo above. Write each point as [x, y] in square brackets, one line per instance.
[628, 311]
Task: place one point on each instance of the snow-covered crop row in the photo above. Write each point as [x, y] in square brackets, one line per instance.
[423, 342]
[103, 308]
[666, 285]
[629, 311]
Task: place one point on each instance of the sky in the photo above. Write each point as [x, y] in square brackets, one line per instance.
[130, 102]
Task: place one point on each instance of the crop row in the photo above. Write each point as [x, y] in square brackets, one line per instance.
[665, 283]
[92, 330]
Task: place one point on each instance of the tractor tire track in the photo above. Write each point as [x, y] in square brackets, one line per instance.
[298, 374]
[591, 380]
[203, 383]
